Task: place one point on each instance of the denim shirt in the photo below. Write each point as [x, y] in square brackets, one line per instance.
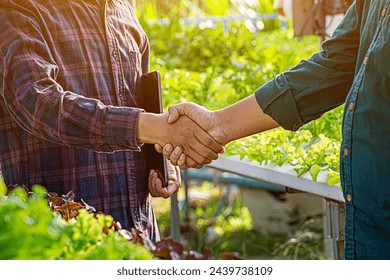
[352, 68]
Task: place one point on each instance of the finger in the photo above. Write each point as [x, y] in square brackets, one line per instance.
[167, 191]
[196, 156]
[192, 163]
[158, 187]
[201, 143]
[171, 189]
[151, 183]
[167, 150]
[177, 152]
[209, 142]
[172, 176]
[158, 148]
[182, 162]
[189, 134]
[184, 167]
[203, 153]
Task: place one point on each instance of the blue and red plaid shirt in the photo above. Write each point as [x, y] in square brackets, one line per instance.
[68, 116]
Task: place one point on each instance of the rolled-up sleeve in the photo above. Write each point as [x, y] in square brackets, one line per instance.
[315, 85]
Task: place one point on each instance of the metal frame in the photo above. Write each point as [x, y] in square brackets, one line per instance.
[283, 176]
[280, 178]
[335, 225]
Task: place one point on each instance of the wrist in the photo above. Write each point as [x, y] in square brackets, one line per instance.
[244, 118]
[150, 128]
[223, 130]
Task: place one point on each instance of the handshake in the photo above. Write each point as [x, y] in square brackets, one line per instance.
[198, 136]
[191, 136]
[188, 136]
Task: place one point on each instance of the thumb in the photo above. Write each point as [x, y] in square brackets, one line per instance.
[174, 113]
[190, 109]
[172, 176]
[172, 172]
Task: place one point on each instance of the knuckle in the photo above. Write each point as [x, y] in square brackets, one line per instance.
[210, 141]
[214, 158]
[183, 165]
[167, 150]
[174, 160]
[212, 155]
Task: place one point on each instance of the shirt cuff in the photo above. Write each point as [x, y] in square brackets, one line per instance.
[277, 100]
[121, 128]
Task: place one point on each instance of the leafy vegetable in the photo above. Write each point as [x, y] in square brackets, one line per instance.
[29, 229]
[49, 226]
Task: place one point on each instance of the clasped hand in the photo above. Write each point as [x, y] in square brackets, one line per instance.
[195, 145]
[207, 120]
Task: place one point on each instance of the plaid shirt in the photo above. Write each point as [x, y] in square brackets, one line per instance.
[68, 116]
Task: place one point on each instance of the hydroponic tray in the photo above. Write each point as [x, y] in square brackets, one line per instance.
[279, 175]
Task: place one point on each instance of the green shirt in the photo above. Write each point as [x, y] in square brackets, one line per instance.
[353, 67]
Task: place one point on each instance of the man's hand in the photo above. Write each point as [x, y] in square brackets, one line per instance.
[177, 157]
[208, 120]
[236, 121]
[184, 132]
[155, 184]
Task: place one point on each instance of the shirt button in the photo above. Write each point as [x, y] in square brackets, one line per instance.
[349, 198]
[383, 13]
[351, 105]
[114, 54]
[365, 60]
[346, 152]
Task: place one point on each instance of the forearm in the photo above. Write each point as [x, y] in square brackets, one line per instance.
[70, 119]
[317, 84]
[150, 128]
[244, 118]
